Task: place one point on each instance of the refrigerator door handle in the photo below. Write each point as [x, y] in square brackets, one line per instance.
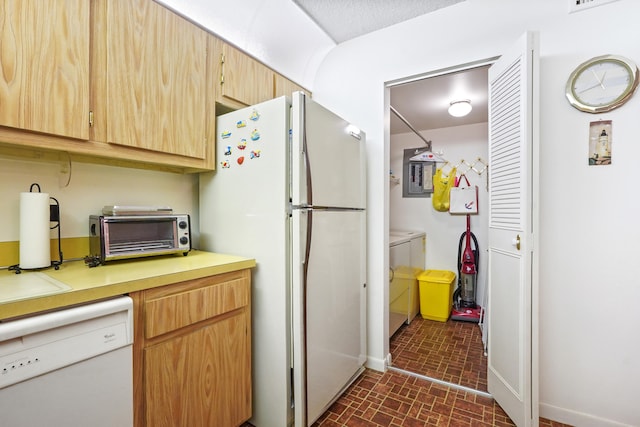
[302, 224]
[307, 252]
[307, 163]
[305, 274]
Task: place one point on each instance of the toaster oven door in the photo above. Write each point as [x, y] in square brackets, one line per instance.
[137, 237]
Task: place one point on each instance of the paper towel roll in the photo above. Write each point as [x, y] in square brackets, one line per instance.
[35, 246]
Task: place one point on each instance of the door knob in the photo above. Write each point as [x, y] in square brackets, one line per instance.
[516, 242]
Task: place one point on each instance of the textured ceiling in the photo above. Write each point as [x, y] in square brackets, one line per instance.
[345, 19]
[423, 103]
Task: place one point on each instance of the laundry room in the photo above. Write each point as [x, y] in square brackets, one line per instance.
[431, 151]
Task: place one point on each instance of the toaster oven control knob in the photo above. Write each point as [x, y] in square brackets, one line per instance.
[183, 224]
[184, 240]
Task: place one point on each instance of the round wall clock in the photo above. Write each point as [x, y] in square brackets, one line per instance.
[602, 83]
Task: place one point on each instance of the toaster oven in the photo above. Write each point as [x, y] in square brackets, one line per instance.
[133, 236]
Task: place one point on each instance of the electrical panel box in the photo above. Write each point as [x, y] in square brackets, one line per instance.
[417, 176]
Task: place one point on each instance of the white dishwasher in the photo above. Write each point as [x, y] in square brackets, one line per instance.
[71, 367]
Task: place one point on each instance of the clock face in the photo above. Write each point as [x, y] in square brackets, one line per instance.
[602, 83]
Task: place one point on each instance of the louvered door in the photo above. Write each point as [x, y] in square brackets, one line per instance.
[512, 371]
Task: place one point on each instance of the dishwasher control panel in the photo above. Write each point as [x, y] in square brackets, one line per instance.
[33, 346]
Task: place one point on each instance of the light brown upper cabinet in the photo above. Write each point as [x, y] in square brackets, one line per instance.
[44, 66]
[284, 86]
[149, 75]
[120, 82]
[241, 79]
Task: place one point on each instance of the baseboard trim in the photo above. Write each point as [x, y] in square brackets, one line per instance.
[376, 364]
[576, 418]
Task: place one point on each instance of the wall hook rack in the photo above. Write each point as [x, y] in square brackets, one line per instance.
[478, 166]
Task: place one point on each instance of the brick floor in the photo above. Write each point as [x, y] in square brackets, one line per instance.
[449, 351]
[394, 399]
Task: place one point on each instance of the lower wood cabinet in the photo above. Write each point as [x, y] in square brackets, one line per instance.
[192, 352]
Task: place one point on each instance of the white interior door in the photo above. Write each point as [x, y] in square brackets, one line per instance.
[512, 305]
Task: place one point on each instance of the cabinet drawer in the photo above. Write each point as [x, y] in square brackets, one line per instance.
[174, 311]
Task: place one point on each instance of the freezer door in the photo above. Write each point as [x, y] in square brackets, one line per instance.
[329, 297]
[328, 160]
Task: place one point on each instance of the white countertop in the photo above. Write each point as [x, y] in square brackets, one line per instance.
[402, 236]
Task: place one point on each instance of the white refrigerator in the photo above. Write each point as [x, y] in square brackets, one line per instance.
[289, 191]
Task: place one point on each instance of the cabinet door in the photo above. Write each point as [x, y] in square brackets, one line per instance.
[242, 80]
[155, 79]
[283, 86]
[202, 378]
[44, 62]
[192, 352]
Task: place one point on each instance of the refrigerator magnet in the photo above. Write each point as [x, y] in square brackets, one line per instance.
[254, 154]
[255, 135]
[240, 160]
[241, 124]
[226, 134]
[255, 116]
[225, 164]
[242, 144]
[227, 152]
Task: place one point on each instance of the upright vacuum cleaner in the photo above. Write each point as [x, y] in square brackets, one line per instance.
[464, 297]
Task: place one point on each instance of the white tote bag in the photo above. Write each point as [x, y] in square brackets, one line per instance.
[463, 200]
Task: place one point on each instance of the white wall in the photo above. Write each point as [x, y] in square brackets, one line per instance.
[589, 343]
[90, 188]
[443, 229]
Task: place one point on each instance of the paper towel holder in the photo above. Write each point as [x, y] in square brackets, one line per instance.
[54, 216]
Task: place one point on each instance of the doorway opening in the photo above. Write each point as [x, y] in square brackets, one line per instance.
[450, 352]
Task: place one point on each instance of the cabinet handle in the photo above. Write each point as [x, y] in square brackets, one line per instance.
[90, 119]
[392, 274]
[222, 68]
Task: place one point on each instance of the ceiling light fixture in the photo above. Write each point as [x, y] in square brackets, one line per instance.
[460, 108]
